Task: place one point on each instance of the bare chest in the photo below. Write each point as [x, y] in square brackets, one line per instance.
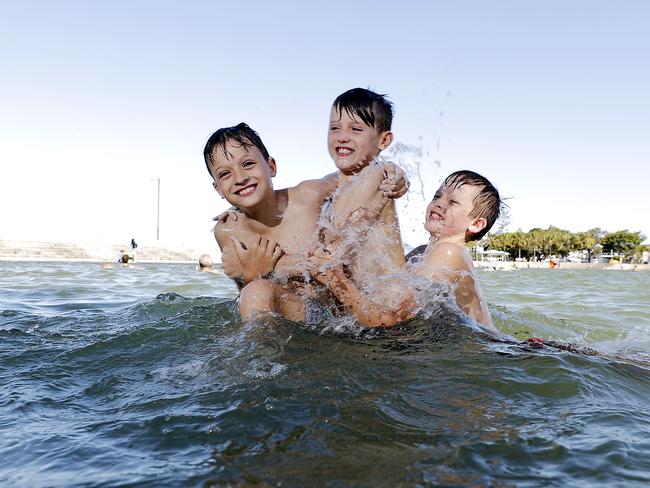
[296, 232]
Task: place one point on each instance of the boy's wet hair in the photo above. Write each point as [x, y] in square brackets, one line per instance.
[373, 109]
[487, 202]
[240, 135]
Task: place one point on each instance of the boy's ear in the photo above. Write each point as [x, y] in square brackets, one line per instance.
[272, 166]
[214, 184]
[386, 140]
[477, 225]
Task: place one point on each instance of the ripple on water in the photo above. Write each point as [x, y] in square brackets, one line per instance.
[145, 376]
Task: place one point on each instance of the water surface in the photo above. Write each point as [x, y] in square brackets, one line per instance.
[145, 376]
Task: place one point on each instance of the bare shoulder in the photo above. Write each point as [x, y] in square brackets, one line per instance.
[445, 261]
[231, 228]
[450, 255]
[310, 191]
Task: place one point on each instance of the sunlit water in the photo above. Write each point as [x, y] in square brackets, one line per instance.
[146, 377]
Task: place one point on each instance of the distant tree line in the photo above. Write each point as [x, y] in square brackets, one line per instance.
[540, 243]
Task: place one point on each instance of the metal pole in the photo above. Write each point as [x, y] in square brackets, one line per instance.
[158, 214]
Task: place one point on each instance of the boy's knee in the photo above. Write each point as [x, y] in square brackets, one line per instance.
[257, 297]
[258, 289]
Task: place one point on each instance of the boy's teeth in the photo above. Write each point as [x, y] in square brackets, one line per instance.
[344, 151]
[247, 191]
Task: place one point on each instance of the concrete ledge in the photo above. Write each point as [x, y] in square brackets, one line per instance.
[14, 250]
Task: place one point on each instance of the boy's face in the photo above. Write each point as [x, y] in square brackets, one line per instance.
[448, 213]
[351, 143]
[244, 180]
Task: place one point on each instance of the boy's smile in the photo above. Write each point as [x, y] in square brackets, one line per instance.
[248, 190]
[242, 177]
[351, 143]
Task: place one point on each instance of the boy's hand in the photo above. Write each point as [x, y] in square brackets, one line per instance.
[259, 260]
[230, 263]
[231, 214]
[395, 183]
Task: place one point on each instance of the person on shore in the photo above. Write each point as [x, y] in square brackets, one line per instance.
[278, 227]
[134, 249]
[463, 209]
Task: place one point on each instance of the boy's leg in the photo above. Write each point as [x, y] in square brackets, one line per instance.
[264, 297]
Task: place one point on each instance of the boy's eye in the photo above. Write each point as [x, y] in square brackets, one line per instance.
[334, 127]
[357, 129]
[223, 174]
[455, 202]
[248, 164]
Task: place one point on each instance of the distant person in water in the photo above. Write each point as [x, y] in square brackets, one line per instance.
[270, 239]
[463, 209]
[205, 264]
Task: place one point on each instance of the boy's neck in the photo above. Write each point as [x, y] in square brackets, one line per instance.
[271, 211]
[342, 176]
[458, 239]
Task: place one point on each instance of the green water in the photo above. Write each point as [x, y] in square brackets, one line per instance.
[146, 377]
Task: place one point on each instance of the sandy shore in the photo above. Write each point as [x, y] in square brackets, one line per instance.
[512, 265]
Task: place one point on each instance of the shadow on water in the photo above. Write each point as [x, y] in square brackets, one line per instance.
[176, 391]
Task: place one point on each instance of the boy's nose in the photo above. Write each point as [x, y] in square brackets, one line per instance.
[241, 178]
[343, 136]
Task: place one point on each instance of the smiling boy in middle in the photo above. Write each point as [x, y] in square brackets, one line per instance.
[278, 227]
[359, 129]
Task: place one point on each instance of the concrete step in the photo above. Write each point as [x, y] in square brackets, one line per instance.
[60, 251]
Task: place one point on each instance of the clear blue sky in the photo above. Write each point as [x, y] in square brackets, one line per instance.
[549, 100]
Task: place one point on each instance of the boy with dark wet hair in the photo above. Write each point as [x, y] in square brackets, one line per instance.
[463, 209]
[275, 229]
[240, 135]
[359, 129]
[373, 109]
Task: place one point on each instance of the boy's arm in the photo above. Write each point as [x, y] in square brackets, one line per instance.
[315, 191]
[367, 312]
[231, 213]
[394, 184]
[360, 199]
